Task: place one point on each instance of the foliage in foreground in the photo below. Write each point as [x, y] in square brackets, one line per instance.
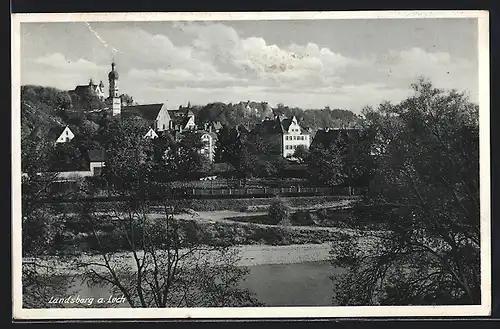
[426, 192]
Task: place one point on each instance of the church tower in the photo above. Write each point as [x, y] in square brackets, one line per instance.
[114, 97]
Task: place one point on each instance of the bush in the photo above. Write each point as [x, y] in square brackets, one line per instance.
[279, 212]
[250, 204]
[303, 218]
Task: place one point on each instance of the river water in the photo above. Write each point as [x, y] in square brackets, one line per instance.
[300, 284]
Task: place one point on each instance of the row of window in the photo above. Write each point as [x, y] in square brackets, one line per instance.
[300, 138]
[293, 147]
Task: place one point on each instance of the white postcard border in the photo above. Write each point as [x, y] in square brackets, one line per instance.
[260, 312]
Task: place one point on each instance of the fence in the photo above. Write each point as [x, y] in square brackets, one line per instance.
[268, 191]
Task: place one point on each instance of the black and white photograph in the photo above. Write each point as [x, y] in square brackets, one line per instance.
[330, 164]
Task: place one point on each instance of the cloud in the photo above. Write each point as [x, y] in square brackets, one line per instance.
[59, 71]
[445, 71]
[210, 62]
[59, 62]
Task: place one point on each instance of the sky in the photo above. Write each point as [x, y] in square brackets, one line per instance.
[340, 63]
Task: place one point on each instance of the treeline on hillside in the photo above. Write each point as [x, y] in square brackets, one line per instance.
[55, 100]
[251, 113]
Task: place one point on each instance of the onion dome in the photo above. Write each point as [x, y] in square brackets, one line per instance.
[113, 75]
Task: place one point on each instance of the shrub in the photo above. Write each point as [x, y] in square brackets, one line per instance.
[302, 218]
[279, 212]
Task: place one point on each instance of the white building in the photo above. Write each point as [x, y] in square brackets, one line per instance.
[64, 135]
[151, 134]
[293, 136]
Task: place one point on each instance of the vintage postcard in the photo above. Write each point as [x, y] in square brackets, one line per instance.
[250, 165]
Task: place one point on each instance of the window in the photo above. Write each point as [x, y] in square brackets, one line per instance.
[67, 139]
[163, 126]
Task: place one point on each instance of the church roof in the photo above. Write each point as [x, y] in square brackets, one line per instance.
[147, 112]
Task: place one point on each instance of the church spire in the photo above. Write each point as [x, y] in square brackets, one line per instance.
[113, 89]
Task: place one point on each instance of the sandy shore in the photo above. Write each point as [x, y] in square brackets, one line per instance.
[251, 255]
[264, 254]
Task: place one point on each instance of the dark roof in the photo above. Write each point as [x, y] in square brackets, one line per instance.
[275, 126]
[268, 127]
[285, 123]
[82, 88]
[97, 155]
[184, 121]
[147, 112]
[327, 137]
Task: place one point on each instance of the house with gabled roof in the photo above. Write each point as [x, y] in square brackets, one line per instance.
[286, 131]
[157, 115]
[151, 134]
[182, 119]
[61, 134]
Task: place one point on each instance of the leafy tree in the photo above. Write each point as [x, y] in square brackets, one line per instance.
[168, 268]
[279, 212]
[67, 157]
[325, 165]
[53, 98]
[129, 155]
[183, 158]
[127, 99]
[301, 153]
[425, 195]
[358, 160]
[87, 102]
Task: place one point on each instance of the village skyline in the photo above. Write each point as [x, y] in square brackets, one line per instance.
[355, 64]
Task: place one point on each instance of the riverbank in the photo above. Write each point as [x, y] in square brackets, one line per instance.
[250, 255]
[290, 254]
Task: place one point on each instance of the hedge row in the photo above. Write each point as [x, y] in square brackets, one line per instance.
[243, 204]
